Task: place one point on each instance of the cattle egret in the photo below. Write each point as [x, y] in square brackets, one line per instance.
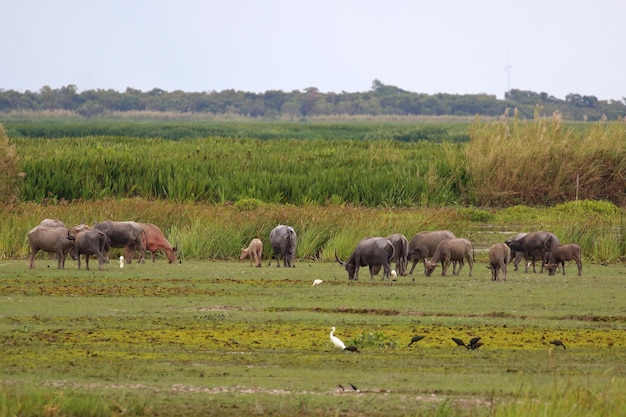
[335, 340]
[394, 273]
[558, 343]
[121, 262]
[317, 282]
[416, 339]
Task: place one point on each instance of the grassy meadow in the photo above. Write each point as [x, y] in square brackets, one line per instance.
[224, 338]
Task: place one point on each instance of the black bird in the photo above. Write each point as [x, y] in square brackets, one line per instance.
[352, 349]
[459, 342]
[353, 386]
[341, 387]
[416, 339]
[557, 342]
[473, 343]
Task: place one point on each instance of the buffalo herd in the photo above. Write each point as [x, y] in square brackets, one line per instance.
[433, 248]
[54, 237]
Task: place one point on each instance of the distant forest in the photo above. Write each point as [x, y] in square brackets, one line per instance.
[381, 99]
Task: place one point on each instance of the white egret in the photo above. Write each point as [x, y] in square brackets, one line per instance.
[394, 273]
[335, 340]
[121, 262]
[317, 282]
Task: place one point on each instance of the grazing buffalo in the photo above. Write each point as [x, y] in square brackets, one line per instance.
[375, 252]
[535, 246]
[153, 241]
[562, 253]
[516, 255]
[284, 241]
[52, 223]
[122, 234]
[451, 250]
[499, 257]
[89, 242]
[254, 251]
[424, 244]
[401, 246]
[51, 240]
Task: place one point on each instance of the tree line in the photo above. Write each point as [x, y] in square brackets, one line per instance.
[381, 99]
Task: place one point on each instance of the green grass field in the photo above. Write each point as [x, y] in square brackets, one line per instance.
[222, 338]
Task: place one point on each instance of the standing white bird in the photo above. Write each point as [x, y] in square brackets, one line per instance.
[121, 262]
[394, 273]
[335, 340]
[316, 282]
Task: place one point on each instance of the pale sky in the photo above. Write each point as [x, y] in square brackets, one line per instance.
[424, 46]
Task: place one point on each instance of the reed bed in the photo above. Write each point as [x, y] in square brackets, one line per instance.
[543, 162]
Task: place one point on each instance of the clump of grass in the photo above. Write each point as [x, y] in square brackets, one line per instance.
[541, 162]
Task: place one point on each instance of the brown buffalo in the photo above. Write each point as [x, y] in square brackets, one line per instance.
[499, 258]
[449, 251]
[562, 253]
[254, 251]
[153, 240]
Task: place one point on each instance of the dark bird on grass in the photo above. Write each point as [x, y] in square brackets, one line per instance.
[558, 343]
[341, 387]
[459, 342]
[352, 349]
[473, 343]
[354, 387]
[416, 339]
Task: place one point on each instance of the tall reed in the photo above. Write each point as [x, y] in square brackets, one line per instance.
[541, 162]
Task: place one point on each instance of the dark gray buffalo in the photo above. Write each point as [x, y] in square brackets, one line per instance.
[284, 241]
[424, 244]
[516, 256]
[88, 242]
[122, 234]
[401, 246]
[535, 245]
[375, 252]
[51, 240]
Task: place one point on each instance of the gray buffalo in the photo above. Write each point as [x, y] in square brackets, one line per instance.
[424, 244]
[51, 240]
[375, 252]
[122, 234]
[535, 245]
[284, 241]
[451, 250]
[52, 223]
[499, 258]
[516, 255]
[89, 242]
[401, 245]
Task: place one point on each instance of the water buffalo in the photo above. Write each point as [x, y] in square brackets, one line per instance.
[52, 223]
[254, 251]
[535, 245]
[153, 241]
[451, 250]
[89, 242]
[499, 257]
[516, 255]
[51, 240]
[562, 253]
[424, 244]
[284, 241]
[401, 246]
[122, 234]
[370, 251]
